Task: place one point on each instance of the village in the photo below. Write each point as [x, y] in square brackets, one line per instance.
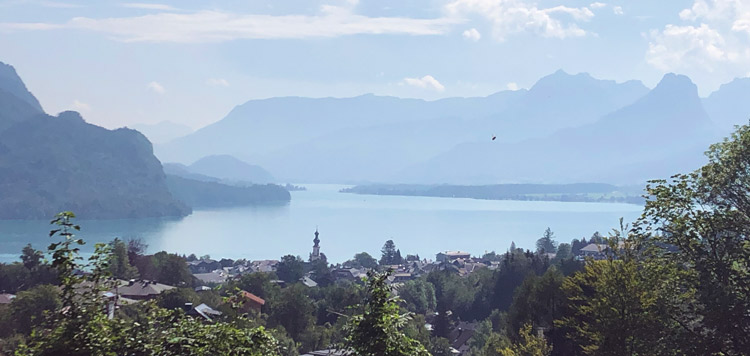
[211, 274]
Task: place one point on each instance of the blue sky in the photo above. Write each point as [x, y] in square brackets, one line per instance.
[191, 62]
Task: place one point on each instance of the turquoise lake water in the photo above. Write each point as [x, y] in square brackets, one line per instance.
[348, 224]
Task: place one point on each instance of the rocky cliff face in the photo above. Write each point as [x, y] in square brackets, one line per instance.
[50, 164]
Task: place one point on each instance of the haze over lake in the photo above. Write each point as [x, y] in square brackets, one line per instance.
[348, 224]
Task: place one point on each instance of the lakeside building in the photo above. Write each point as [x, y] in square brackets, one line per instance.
[450, 256]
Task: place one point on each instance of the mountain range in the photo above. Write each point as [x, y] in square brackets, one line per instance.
[565, 128]
[50, 164]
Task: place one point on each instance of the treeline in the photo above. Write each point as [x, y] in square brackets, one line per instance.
[578, 192]
[199, 194]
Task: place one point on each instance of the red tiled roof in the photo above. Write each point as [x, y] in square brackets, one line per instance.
[253, 297]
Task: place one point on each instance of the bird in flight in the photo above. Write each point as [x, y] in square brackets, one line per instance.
[494, 137]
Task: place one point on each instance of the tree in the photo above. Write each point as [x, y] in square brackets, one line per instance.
[31, 307]
[171, 269]
[363, 259]
[136, 247]
[119, 262]
[31, 258]
[82, 326]
[563, 252]
[419, 296]
[293, 310]
[697, 226]
[290, 269]
[530, 345]
[378, 330]
[320, 273]
[615, 306]
[546, 244]
[389, 256]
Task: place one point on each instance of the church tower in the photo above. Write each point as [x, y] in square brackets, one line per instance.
[316, 247]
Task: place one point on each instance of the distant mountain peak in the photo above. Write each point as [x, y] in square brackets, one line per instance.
[675, 86]
[12, 83]
[71, 115]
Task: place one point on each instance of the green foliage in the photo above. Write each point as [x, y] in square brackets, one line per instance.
[440, 346]
[378, 330]
[547, 243]
[538, 301]
[290, 269]
[83, 327]
[31, 308]
[177, 298]
[321, 273]
[530, 345]
[615, 307]
[119, 262]
[293, 310]
[697, 227]
[363, 259]
[563, 252]
[390, 255]
[171, 269]
[419, 296]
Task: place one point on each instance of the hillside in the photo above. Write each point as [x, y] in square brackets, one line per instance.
[231, 169]
[50, 164]
[370, 138]
[730, 105]
[665, 125]
[200, 194]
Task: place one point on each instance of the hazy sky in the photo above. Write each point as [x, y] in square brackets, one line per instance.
[190, 62]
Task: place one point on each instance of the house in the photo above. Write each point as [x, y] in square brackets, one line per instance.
[348, 274]
[6, 298]
[460, 336]
[251, 302]
[214, 277]
[202, 311]
[400, 277]
[308, 282]
[264, 265]
[595, 251]
[204, 266]
[449, 256]
[140, 289]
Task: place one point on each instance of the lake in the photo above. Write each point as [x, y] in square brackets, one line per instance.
[348, 224]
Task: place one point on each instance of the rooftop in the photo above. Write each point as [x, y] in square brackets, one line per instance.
[253, 297]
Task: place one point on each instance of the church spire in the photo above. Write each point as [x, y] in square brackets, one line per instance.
[315, 255]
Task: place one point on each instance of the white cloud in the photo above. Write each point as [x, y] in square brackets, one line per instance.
[217, 82]
[684, 47]
[714, 40]
[156, 87]
[597, 5]
[219, 26]
[512, 86]
[147, 6]
[426, 82]
[618, 10]
[515, 16]
[472, 34]
[80, 106]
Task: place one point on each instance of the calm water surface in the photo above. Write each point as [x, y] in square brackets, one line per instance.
[348, 224]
